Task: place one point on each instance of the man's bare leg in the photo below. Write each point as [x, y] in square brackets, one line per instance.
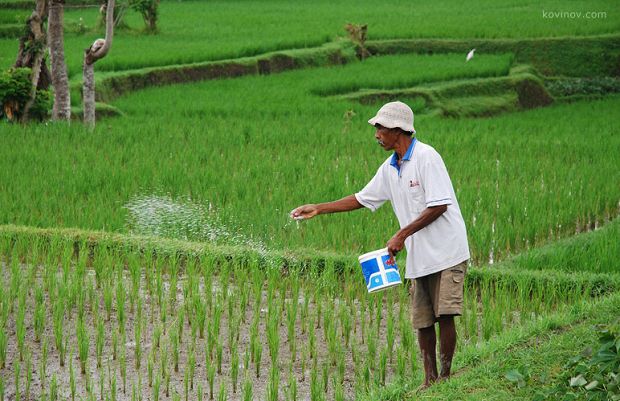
[447, 343]
[427, 339]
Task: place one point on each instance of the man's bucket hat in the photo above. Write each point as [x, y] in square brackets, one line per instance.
[394, 114]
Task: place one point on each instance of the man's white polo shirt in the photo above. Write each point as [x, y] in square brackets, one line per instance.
[421, 181]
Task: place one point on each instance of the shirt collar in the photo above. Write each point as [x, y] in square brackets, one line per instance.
[407, 156]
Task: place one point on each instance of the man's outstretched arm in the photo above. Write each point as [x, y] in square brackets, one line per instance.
[342, 205]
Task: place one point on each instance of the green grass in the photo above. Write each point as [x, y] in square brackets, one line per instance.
[200, 31]
[215, 147]
[595, 251]
[542, 347]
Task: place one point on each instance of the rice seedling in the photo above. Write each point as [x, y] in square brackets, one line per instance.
[112, 385]
[401, 362]
[219, 356]
[247, 358]
[325, 375]
[200, 392]
[312, 341]
[186, 384]
[222, 394]
[211, 379]
[72, 382]
[316, 390]
[137, 329]
[99, 340]
[156, 387]
[17, 373]
[167, 380]
[258, 351]
[53, 396]
[1, 388]
[371, 347]
[247, 390]
[180, 324]
[174, 348]
[108, 297]
[43, 360]
[200, 314]
[234, 369]
[338, 390]
[291, 393]
[274, 381]
[192, 365]
[83, 342]
[390, 333]
[20, 323]
[120, 301]
[273, 338]
[39, 313]
[150, 363]
[383, 359]
[123, 368]
[28, 374]
[3, 342]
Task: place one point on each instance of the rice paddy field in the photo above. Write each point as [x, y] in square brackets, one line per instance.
[154, 258]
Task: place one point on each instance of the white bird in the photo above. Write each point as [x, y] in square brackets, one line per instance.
[470, 55]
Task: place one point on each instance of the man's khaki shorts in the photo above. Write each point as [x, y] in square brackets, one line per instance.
[437, 294]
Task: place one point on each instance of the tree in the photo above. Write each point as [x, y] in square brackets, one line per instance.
[149, 9]
[31, 54]
[98, 50]
[60, 80]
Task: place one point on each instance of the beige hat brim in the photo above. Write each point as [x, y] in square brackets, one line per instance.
[389, 124]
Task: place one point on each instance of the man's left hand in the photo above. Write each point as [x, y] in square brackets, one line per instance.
[395, 244]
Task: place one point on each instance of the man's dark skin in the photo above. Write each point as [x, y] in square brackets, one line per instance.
[394, 139]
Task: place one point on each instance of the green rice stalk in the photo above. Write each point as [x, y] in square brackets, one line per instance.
[16, 373]
[258, 351]
[247, 390]
[221, 396]
[156, 387]
[72, 382]
[383, 365]
[192, 366]
[99, 341]
[43, 360]
[83, 340]
[123, 366]
[234, 369]
[219, 357]
[274, 381]
[53, 389]
[211, 379]
[28, 374]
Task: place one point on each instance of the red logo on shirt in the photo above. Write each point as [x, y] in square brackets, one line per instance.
[413, 183]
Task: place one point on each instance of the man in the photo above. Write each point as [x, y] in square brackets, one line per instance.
[415, 180]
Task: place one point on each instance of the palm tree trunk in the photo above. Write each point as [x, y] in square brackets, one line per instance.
[60, 81]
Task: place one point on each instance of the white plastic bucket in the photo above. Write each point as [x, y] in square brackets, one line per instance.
[380, 270]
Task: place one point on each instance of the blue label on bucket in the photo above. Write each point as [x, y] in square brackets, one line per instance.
[375, 281]
[369, 267]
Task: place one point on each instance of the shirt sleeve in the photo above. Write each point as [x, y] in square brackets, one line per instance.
[375, 193]
[436, 181]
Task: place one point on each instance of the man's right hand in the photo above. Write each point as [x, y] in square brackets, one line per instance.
[304, 212]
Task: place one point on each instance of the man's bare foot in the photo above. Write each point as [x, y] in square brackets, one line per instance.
[424, 386]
